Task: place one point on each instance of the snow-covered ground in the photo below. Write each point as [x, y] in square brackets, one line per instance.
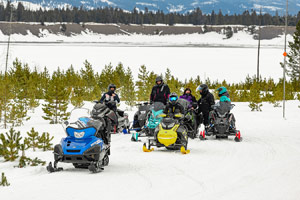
[265, 165]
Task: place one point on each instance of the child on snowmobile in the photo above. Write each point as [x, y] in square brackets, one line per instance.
[160, 92]
[173, 107]
[187, 95]
[205, 103]
[110, 96]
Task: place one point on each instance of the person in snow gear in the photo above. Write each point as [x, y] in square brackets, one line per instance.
[205, 103]
[171, 133]
[222, 121]
[160, 92]
[225, 104]
[173, 107]
[187, 95]
[110, 98]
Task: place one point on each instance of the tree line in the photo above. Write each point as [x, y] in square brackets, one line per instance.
[23, 89]
[117, 15]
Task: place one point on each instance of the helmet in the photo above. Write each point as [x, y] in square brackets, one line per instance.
[159, 78]
[112, 86]
[203, 89]
[221, 90]
[173, 98]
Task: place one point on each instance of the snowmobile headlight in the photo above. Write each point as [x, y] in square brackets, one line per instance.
[79, 134]
[143, 112]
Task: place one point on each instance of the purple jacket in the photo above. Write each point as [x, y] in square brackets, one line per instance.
[189, 98]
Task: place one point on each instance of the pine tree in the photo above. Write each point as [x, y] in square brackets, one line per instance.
[11, 144]
[142, 84]
[88, 76]
[23, 158]
[128, 93]
[57, 97]
[44, 142]
[293, 57]
[32, 139]
[4, 181]
[255, 100]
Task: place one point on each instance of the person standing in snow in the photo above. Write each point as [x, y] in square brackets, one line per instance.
[205, 103]
[160, 92]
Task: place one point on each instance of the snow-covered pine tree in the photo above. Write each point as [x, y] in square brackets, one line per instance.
[128, 90]
[44, 142]
[293, 57]
[255, 100]
[32, 139]
[11, 144]
[4, 181]
[56, 97]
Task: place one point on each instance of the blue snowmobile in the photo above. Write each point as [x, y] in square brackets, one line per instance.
[87, 144]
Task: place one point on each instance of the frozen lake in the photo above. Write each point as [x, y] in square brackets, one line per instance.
[230, 63]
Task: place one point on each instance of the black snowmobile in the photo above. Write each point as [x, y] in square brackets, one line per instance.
[222, 123]
[141, 117]
[189, 120]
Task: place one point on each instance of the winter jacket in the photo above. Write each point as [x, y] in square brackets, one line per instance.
[160, 93]
[190, 98]
[172, 110]
[205, 103]
[108, 97]
[225, 97]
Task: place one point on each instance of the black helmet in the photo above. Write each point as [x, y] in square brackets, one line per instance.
[112, 86]
[159, 78]
[173, 98]
[203, 89]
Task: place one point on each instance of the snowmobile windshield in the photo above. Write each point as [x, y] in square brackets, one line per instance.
[158, 106]
[223, 107]
[79, 113]
[185, 103]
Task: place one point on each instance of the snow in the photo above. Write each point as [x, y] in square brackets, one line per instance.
[265, 165]
[187, 55]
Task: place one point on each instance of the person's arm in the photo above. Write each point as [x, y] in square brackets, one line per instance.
[102, 98]
[166, 110]
[211, 101]
[116, 98]
[152, 95]
[168, 92]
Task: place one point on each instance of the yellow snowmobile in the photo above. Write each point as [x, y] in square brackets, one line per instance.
[170, 133]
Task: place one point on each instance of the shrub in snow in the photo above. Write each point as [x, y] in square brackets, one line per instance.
[44, 142]
[24, 161]
[10, 144]
[255, 100]
[32, 139]
[4, 181]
